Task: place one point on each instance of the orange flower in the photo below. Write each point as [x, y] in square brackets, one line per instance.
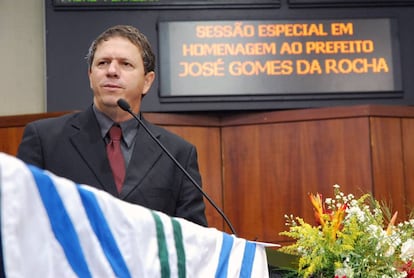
[337, 217]
[322, 214]
[392, 223]
[319, 208]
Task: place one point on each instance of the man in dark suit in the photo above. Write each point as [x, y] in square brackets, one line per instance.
[121, 65]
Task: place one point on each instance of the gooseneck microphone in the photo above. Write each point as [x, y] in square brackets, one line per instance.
[124, 105]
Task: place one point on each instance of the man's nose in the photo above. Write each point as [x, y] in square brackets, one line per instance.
[113, 69]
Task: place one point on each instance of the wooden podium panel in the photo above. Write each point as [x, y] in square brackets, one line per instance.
[199, 130]
[207, 140]
[388, 162]
[11, 137]
[273, 160]
[11, 129]
[408, 158]
[259, 166]
[204, 133]
[270, 169]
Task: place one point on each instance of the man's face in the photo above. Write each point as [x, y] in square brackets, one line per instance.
[117, 71]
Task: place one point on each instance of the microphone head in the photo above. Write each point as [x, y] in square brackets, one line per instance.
[123, 104]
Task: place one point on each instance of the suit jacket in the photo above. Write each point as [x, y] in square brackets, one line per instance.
[71, 146]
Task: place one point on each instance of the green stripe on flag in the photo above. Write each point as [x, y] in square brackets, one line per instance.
[162, 247]
[179, 246]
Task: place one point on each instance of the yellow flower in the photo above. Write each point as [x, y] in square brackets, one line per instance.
[350, 236]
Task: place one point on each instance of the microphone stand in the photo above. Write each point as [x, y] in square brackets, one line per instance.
[124, 105]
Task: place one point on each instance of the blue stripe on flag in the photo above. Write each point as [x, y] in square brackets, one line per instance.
[248, 258]
[103, 232]
[223, 263]
[60, 222]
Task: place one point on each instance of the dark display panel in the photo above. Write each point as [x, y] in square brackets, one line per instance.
[225, 58]
[160, 4]
[69, 32]
[348, 3]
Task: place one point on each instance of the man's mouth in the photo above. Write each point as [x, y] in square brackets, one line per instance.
[112, 86]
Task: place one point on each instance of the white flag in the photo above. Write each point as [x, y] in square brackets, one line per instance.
[52, 227]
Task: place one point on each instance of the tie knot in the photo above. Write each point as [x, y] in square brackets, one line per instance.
[115, 133]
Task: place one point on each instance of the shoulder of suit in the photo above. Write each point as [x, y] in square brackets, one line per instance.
[53, 121]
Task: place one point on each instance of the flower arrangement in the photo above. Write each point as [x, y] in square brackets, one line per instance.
[351, 238]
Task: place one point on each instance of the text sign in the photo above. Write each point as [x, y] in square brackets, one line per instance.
[161, 3]
[217, 58]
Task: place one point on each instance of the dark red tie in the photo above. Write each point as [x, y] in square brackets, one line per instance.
[115, 156]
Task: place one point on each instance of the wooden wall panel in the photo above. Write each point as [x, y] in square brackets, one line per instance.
[387, 160]
[207, 141]
[259, 166]
[270, 168]
[408, 158]
[206, 138]
[11, 129]
[10, 139]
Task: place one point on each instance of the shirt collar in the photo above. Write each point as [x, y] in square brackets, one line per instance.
[129, 127]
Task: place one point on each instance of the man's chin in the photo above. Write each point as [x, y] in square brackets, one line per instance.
[107, 102]
[111, 101]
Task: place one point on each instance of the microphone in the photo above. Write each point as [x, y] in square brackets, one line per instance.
[124, 105]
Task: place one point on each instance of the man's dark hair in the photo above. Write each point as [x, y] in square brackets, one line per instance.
[133, 35]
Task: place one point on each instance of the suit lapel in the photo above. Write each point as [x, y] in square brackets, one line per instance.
[90, 145]
[145, 154]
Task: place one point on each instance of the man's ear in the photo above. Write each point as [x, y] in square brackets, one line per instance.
[149, 79]
[89, 76]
